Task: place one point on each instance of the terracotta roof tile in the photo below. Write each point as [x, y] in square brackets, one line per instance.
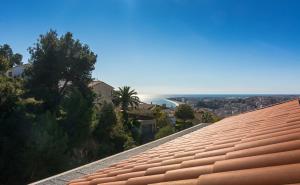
[115, 183]
[275, 175]
[145, 179]
[278, 147]
[214, 152]
[102, 180]
[162, 169]
[187, 173]
[130, 175]
[179, 182]
[260, 147]
[91, 177]
[202, 161]
[268, 141]
[273, 159]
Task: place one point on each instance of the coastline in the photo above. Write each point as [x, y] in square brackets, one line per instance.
[177, 103]
[158, 100]
[170, 101]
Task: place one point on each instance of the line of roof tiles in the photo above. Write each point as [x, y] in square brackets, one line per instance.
[232, 150]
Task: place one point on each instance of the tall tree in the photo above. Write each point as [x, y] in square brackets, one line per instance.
[126, 97]
[56, 63]
[103, 132]
[107, 120]
[8, 59]
[77, 116]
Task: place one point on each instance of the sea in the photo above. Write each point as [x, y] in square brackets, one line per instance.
[164, 99]
[158, 100]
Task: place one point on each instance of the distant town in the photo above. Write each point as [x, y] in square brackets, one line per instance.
[224, 106]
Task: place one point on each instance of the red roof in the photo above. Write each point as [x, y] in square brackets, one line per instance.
[260, 147]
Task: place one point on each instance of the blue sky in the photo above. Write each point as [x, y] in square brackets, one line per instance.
[172, 46]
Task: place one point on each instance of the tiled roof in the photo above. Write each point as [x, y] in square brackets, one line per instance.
[260, 147]
[93, 83]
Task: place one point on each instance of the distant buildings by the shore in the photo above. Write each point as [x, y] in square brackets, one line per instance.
[232, 105]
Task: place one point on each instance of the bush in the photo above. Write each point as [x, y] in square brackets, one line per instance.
[129, 143]
[184, 112]
[47, 147]
[208, 117]
[165, 131]
[181, 125]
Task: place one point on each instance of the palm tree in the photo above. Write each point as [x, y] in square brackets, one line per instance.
[126, 97]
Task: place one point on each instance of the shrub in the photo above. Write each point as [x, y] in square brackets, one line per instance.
[165, 131]
[184, 112]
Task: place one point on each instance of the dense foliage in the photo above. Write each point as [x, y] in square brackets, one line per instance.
[208, 117]
[126, 98]
[184, 112]
[8, 59]
[165, 131]
[164, 126]
[48, 120]
[56, 65]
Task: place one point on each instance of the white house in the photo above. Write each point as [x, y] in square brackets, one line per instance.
[17, 71]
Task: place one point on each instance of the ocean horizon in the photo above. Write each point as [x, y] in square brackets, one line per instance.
[161, 99]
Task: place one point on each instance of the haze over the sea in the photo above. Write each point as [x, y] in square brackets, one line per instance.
[163, 98]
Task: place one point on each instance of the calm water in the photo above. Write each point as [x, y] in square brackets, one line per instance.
[162, 99]
[157, 99]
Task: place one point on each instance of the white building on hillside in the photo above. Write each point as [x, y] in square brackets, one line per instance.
[103, 90]
[17, 71]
